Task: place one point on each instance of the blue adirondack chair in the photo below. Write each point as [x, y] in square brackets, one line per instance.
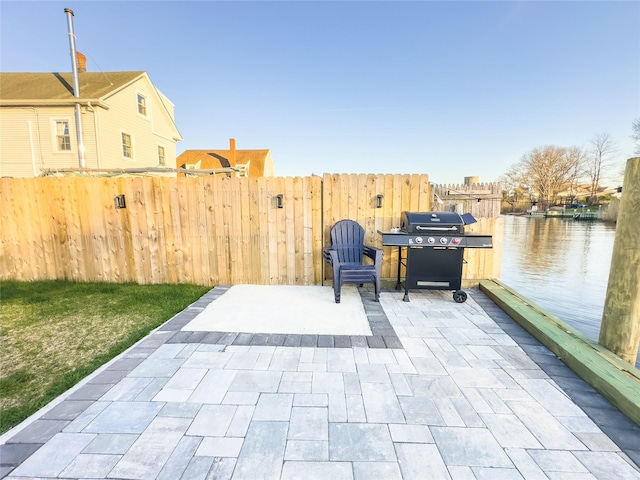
[345, 256]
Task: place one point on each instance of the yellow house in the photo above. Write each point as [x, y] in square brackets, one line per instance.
[126, 123]
[249, 163]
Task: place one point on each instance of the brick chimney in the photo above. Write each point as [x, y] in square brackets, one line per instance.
[82, 62]
[232, 152]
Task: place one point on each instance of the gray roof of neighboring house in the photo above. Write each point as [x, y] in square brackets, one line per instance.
[57, 88]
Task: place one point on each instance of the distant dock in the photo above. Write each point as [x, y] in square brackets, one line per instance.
[575, 213]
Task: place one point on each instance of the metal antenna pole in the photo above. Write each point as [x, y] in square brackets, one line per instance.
[76, 87]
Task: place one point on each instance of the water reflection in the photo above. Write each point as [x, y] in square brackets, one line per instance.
[560, 264]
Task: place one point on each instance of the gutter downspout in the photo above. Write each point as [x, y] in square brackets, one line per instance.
[76, 88]
[36, 171]
[31, 147]
[96, 132]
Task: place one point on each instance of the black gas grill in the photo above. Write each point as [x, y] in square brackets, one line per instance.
[435, 244]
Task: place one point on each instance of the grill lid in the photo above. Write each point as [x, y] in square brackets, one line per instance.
[416, 222]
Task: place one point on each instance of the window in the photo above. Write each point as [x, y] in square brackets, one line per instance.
[162, 159]
[127, 145]
[142, 105]
[63, 139]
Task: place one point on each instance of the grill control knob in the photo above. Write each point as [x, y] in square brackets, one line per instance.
[418, 239]
[444, 240]
[431, 240]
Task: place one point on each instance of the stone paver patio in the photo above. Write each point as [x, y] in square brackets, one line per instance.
[444, 391]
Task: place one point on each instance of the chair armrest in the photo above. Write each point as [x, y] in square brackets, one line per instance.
[374, 254]
[330, 255]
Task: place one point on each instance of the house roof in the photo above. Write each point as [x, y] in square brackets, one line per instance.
[213, 159]
[34, 89]
[53, 87]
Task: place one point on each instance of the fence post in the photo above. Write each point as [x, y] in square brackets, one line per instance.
[620, 330]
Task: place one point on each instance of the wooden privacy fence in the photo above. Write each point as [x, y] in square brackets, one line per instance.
[204, 230]
[482, 200]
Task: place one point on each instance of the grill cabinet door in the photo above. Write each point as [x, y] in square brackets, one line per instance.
[434, 268]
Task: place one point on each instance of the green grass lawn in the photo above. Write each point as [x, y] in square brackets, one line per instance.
[54, 333]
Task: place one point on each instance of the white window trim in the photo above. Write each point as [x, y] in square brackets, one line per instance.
[132, 158]
[165, 155]
[146, 116]
[54, 136]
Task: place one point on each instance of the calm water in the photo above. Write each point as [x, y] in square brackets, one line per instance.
[561, 265]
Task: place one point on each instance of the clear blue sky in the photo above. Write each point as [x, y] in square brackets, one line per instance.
[451, 89]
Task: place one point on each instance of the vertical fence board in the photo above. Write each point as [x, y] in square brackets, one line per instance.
[396, 194]
[426, 195]
[317, 234]
[208, 239]
[59, 238]
[183, 235]
[218, 233]
[406, 192]
[388, 222]
[289, 238]
[271, 233]
[306, 237]
[9, 243]
[366, 207]
[379, 213]
[138, 232]
[256, 248]
[254, 233]
[44, 266]
[154, 230]
[171, 222]
[29, 230]
[415, 187]
[279, 235]
[29, 224]
[110, 241]
[234, 230]
[263, 202]
[35, 231]
[100, 258]
[146, 234]
[201, 260]
[298, 233]
[74, 213]
[243, 211]
[349, 201]
[101, 233]
[130, 219]
[124, 221]
[160, 258]
[88, 212]
[198, 219]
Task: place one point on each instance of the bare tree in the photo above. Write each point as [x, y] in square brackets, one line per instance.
[549, 169]
[602, 148]
[635, 129]
[513, 191]
[580, 168]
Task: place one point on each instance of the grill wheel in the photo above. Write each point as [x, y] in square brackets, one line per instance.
[460, 296]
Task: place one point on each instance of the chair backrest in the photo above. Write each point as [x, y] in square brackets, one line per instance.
[347, 237]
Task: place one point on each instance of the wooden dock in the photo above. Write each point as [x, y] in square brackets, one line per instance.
[575, 213]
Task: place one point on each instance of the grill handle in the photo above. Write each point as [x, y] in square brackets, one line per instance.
[439, 229]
